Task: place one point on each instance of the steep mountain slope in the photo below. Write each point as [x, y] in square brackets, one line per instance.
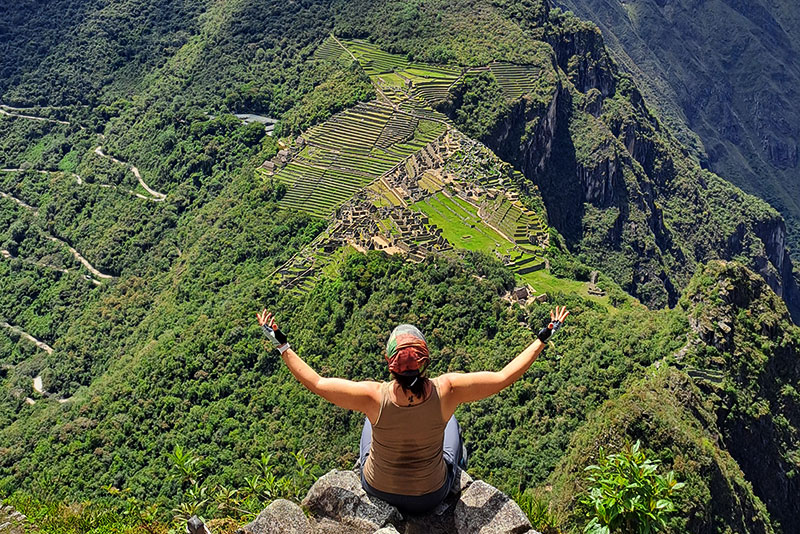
[614, 180]
[87, 52]
[725, 405]
[607, 207]
[165, 352]
[727, 71]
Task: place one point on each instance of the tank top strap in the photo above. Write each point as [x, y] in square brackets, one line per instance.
[385, 399]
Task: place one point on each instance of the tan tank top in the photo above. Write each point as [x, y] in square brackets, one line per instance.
[406, 453]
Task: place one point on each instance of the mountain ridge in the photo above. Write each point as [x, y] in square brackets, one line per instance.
[734, 91]
[168, 353]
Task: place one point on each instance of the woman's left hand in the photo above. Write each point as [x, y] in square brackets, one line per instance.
[557, 317]
[270, 327]
[266, 318]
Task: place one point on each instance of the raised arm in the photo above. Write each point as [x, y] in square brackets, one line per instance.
[360, 396]
[458, 388]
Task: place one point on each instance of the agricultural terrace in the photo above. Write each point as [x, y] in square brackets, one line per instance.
[384, 195]
[514, 220]
[372, 59]
[348, 152]
[329, 50]
[429, 83]
[297, 275]
[515, 80]
[463, 228]
[409, 83]
[419, 85]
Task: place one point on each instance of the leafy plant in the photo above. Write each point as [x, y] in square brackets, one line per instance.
[242, 503]
[110, 515]
[539, 512]
[185, 463]
[627, 495]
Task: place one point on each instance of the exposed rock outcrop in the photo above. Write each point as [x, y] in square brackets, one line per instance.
[11, 521]
[338, 504]
[755, 362]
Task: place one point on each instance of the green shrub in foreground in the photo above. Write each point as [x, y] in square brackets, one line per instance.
[539, 512]
[120, 514]
[627, 495]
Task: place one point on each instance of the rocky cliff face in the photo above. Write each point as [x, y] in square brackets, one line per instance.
[737, 91]
[756, 363]
[620, 187]
[337, 504]
[723, 412]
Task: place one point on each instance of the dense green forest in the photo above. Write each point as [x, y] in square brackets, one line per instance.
[148, 300]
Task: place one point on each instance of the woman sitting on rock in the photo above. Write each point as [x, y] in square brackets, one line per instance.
[411, 442]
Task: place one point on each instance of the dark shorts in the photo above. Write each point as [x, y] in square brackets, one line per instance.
[453, 452]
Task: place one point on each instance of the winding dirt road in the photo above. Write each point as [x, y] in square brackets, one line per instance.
[74, 252]
[22, 333]
[4, 110]
[20, 202]
[38, 386]
[7, 255]
[158, 197]
[81, 259]
[19, 169]
[79, 179]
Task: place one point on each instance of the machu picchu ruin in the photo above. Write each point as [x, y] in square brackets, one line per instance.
[514, 80]
[394, 174]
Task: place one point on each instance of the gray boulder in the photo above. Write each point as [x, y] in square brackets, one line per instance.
[11, 521]
[280, 517]
[483, 509]
[337, 504]
[339, 497]
[462, 482]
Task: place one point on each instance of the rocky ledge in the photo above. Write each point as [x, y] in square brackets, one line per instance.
[337, 504]
[11, 521]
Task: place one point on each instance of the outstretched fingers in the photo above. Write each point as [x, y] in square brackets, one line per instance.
[266, 318]
[559, 314]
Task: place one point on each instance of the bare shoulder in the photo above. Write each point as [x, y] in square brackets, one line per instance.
[370, 384]
[444, 383]
[372, 388]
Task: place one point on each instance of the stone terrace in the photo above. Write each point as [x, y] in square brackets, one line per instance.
[346, 153]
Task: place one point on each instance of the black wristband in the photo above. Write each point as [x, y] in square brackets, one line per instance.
[280, 336]
[549, 330]
[544, 334]
[275, 336]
